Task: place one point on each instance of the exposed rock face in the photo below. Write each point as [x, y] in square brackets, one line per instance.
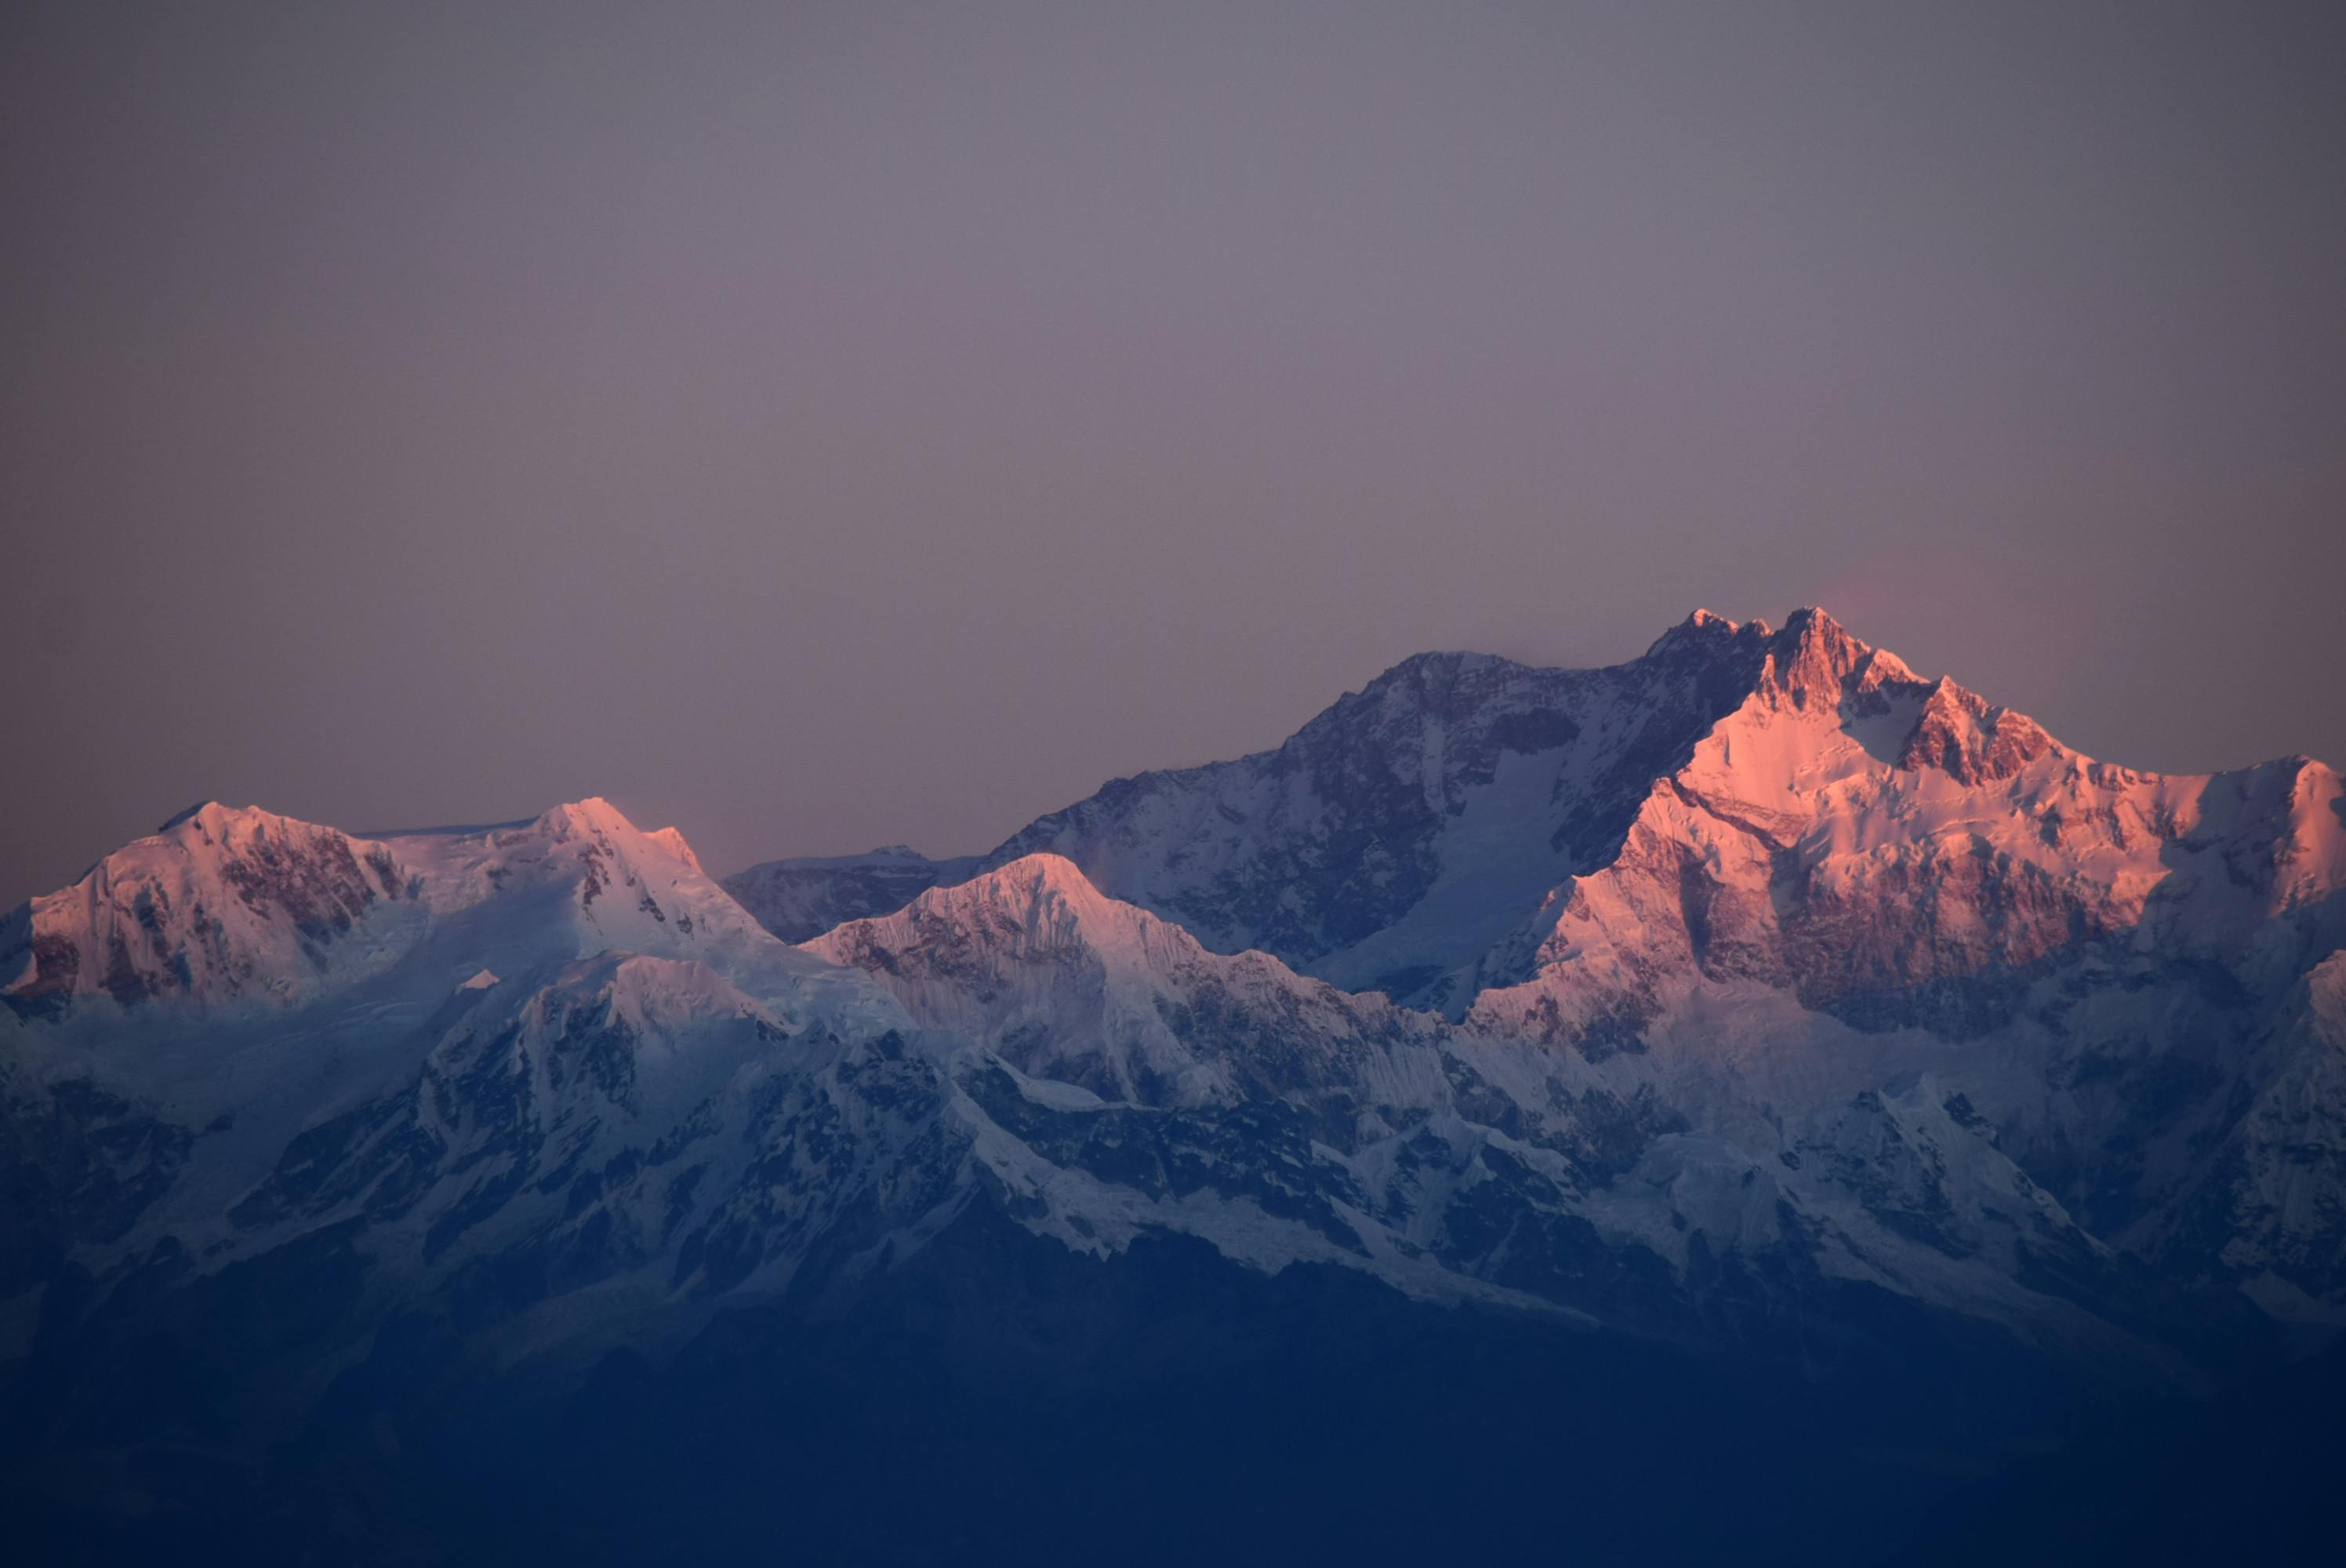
[1960, 734]
[219, 903]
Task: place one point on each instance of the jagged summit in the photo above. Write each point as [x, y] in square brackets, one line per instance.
[1813, 666]
[1807, 660]
[239, 905]
[1961, 734]
[1811, 662]
[1706, 629]
[1422, 836]
[1813, 657]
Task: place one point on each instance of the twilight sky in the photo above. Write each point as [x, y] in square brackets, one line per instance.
[824, 426]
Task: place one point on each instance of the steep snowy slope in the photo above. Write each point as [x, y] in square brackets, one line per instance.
[1135, 1081]
[575, 1097]
[1034, 961]
[2111, 963]
[1882, 847]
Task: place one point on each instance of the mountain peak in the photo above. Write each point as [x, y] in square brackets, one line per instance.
[1030, 883]
[1812, 621]
[988, 947]
[1811, 659]
[672, 839]
[1066, 984]
[223, 901]
[1807, 663]
[593, 812]
[1962, 735]
[1044, 870]
[211, 818]
[1704, 629]
[1038, 903]
[1436, 674]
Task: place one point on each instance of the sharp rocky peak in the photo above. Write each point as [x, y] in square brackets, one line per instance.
[1812, 659]
[222, 901]
[1708, 632]
[1810, 662]
[1963, 735]
[1811, 665]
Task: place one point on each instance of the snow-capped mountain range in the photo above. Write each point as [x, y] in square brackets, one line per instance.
[1760, 874]
[1703, 992]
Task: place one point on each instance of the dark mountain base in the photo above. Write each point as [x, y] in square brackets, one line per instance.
[2250, 1477]
[999, 1398]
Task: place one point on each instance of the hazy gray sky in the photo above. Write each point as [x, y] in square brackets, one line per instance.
[824, 426]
